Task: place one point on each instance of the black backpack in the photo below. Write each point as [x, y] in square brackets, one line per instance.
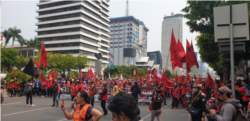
[239, 116]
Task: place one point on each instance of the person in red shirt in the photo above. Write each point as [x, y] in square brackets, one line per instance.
[73, 94]
[176, 95]
[11, 87]
[17, 86]
[183, 91]
[104, 98]
[43, 84]
[163, 91]
[243, 93]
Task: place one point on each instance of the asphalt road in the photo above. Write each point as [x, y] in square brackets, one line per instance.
[15, 109]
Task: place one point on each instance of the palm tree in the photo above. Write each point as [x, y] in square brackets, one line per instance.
[34, 44]
[6, 35]
[15, 33]
[28, 44]
[22, 43]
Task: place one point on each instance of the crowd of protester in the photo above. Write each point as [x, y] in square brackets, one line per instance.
[214, 103]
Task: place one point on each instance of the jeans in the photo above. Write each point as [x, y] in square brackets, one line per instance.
[167, 94]
[38, 91]
[29, 96]
[46, 91]
[182, 98]
[156, 113]
[103, 105]
[55, 98]
[136, 100]
[163, 99]
[92, 101]
[175, 100]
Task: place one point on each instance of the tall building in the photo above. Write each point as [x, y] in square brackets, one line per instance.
[173, 22]
[156, 57]
[74, 27]
[128, 40]
[201, 65]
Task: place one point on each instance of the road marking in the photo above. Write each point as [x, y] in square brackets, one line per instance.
[62, 119]
[26, 111]
[150, 113]
[12, 103]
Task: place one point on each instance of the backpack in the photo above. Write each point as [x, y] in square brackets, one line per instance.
[239, 116]
[248, 92]
[26, 89]
[157, 99]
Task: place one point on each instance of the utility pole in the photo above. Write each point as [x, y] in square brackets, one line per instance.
[127, 9]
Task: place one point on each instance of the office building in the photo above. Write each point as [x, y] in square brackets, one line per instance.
[173, 22]
[156, 57]
[74, 27]
[128, 40]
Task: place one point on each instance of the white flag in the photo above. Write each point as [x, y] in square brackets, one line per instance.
[121, 77]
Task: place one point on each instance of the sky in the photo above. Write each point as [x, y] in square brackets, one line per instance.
[22, 14]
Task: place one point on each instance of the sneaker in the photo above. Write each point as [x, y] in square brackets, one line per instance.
[27, 105]
[42, 96]
[32, 105]
[52, 105]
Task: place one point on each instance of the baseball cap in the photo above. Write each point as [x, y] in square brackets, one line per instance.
[225, 89]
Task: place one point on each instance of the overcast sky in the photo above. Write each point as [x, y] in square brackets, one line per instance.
[22, 14]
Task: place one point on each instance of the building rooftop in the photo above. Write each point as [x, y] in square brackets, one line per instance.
[143, 59]
[128, 17]
[172, 16]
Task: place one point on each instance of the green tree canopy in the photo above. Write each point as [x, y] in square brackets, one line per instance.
[9, 58]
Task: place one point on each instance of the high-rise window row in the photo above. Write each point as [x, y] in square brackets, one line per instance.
[74, 27]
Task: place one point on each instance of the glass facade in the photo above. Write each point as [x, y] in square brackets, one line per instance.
[156, 57]
[170, 23]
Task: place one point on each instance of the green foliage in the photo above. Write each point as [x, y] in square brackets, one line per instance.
[14, 33]
[61, 62]
[200, 19]
[22, 62]
[128, 72]
[6, 35]
[20, 76]
[9, 57]
[170, 75]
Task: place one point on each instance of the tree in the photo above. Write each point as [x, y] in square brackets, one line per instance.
[70, 62]
[34, 44]
[200, 19]
[22, 62]
[22, 43]
[14, 33]
[6, 35]
[28, 44]
[81, 61]
[9, 58]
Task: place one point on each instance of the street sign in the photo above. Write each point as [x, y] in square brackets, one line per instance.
[231, 24]
[239, 47]
[111, 67]
[238, 16]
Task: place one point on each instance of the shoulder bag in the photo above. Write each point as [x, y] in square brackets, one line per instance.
[192, 110]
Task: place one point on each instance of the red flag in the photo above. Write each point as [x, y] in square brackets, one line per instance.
[190, 57]
[134, 72]
[176, 54]
[92, 75]
[188, 78]
[182, 79]
[199, 80]
[147, 79]
[80, 73]
[209, 81]
[141, 77]
[87, 75]
[195, 78]
[42, 77]
[37, 64]
[54, 74]
[176, 78]
[43, 56]
[49, 76]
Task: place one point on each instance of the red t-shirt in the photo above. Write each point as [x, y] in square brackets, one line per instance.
[176, 93]
[188, 88]
[243, 92]
[183, 90]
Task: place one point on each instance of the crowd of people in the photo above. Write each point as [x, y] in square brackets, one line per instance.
[214, 103]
